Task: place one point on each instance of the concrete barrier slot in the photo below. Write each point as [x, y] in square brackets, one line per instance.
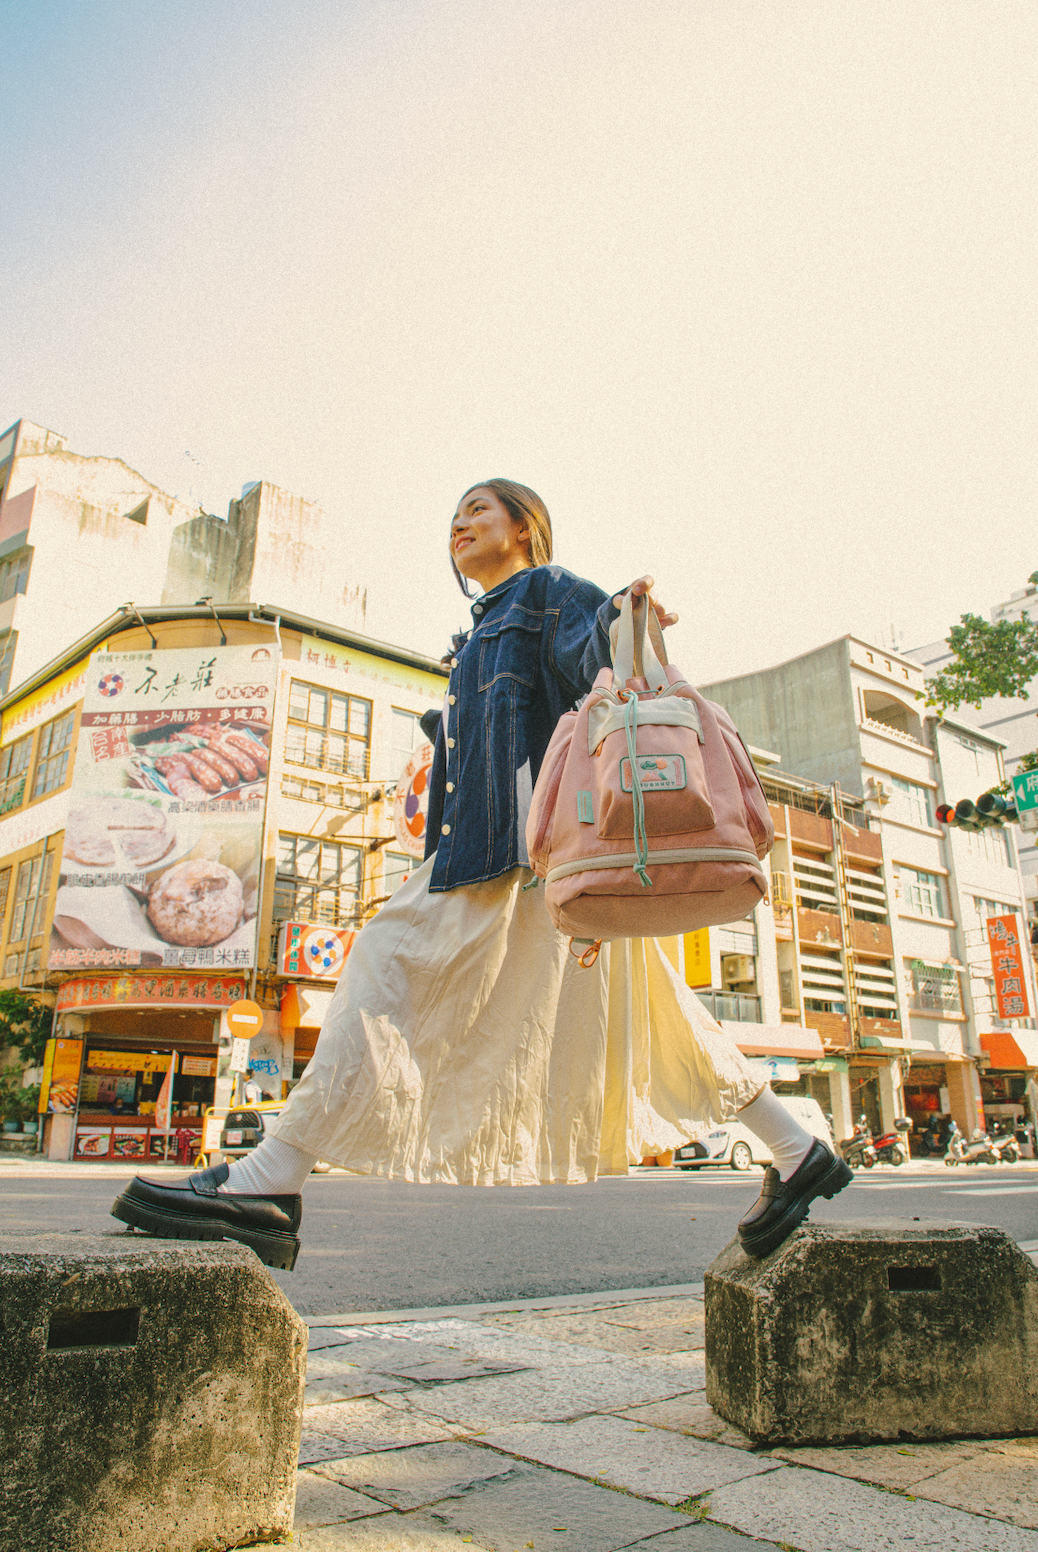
[93, 1328]
[913, 1279]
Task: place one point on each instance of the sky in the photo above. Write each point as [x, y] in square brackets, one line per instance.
[745, 290]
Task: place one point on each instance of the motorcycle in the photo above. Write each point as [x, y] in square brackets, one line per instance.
[978, 1150]
[1007, 1148]
[857, 1150]
[892, 1147]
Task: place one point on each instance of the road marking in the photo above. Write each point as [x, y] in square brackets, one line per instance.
[991, 1190]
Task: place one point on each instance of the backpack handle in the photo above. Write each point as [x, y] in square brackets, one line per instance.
[639, 652]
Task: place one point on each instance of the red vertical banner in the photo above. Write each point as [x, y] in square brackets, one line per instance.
[1007, 964]
[164, 1103]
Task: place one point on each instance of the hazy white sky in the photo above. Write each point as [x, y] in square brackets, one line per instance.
[745, 290]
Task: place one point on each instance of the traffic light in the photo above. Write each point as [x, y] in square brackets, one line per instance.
[990, 811]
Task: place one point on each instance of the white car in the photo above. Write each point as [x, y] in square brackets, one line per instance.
[735, 1145]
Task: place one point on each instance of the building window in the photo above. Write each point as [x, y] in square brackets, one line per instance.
[988, 908]
[12, 964]
[398, 869]
[911, 803]
[327, 731]
[8, 643]
[52, 757]
[936, 987]
[14, 762]
[14, 574]
[30, 898]
[318, 881]
[991, 844]
[5, 890]
[407, 736]
[139, 514]
[921, 892]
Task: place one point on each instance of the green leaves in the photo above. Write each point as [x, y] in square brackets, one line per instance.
[25, 1024]
[988, 660]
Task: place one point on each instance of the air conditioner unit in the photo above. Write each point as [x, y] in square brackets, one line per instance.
[877, 791]
[739, 967]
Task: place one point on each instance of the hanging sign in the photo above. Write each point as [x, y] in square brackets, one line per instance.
[318, 953]
[1007, 964]
[411, 804]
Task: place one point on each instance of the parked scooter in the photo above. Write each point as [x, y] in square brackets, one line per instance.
[858, 1151]
[1007, 1148]
[978, 1150]
[892, 1147]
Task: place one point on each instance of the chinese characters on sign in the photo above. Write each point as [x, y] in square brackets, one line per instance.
[1007, 964]
[144, 991]
[161, 857]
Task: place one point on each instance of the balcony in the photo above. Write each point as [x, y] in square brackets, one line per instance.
[885, 730]
[731, 1005]
[872, 938]
[819, 927]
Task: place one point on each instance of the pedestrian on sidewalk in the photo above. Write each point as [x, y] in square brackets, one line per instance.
[464, 1043]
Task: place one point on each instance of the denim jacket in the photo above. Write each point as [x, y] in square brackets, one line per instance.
[537, 644]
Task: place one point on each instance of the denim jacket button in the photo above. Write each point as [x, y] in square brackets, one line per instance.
[454, 662]
[445, 829]
[450, 786]
[452, 700]
[477, 608]
[450, 743]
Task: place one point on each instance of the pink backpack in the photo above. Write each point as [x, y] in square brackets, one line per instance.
[648, 817]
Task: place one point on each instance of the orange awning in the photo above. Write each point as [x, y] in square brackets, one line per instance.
[1011, 1049]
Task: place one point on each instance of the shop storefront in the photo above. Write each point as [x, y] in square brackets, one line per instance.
[150, 1056]
[1009, 1082]
[304, 1008]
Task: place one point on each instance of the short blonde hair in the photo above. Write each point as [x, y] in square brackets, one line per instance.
[523, 505]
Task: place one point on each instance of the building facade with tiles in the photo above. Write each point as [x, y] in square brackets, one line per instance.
[280, 784]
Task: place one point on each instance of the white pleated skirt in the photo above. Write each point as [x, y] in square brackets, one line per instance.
[466, 1045]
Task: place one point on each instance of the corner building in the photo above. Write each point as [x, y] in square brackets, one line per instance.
[307, 850]
[905, 978]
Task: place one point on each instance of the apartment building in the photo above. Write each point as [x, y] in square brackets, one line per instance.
[271, 764]
[904, 984]
[80, 535]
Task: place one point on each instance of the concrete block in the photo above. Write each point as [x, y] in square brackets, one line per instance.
[875, 1331]
[151, 1395]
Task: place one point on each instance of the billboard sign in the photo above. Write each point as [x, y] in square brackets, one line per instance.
[162, 843]
[1007, 964]
[316, 952]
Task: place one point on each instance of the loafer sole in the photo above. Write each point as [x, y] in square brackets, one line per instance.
[828, 1185]
[277, 1250]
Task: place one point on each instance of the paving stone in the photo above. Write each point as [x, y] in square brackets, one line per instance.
[553, 1510]
[549, 1394]
[647, 1461]
[651, 1314]
[323, 1336]
[885, 1465]
[1003, 1484]
[317, 1446]
[703, 1537]
[320, 1501]
[360, 1427]
[411, 1478]
[349, 1384]
[816, 1512]
[692, 1415]
[601, 1329]
[388, 1533]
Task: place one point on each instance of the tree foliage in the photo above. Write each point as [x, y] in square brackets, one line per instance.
[25, 1025]
[987, 660]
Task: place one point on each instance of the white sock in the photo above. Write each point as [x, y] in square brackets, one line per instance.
[784, 1138]
[275, 1168]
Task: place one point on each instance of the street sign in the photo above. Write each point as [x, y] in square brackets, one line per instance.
[239, 1055]
[245, 1019]
[1025, 796]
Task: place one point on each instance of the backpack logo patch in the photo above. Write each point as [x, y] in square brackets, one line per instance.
[656, 773]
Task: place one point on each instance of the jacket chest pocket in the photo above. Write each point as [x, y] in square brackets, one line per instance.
[509, 650]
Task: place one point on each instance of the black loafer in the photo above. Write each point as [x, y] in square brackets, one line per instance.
[195, 1208]
[783, 1204]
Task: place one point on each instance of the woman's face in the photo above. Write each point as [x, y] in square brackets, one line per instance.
[487, 544]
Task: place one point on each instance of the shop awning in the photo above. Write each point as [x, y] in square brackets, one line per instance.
[305, 1007]
[897, 1043]
[775, 1039]
[1012, 1049]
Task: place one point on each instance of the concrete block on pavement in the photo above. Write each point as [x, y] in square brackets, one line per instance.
[151, 1395]
[875, 1331]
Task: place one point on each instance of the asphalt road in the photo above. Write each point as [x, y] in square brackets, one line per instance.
[371, 1244]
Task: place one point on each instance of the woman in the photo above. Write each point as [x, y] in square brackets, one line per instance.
[464, 1043]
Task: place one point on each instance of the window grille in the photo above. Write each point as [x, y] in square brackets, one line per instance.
[52, 756]
[328, 731]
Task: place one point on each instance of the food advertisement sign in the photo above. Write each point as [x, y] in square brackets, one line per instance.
[162, 844]
[1007, 963]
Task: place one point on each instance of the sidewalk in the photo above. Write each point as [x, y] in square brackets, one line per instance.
[581, 1425]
